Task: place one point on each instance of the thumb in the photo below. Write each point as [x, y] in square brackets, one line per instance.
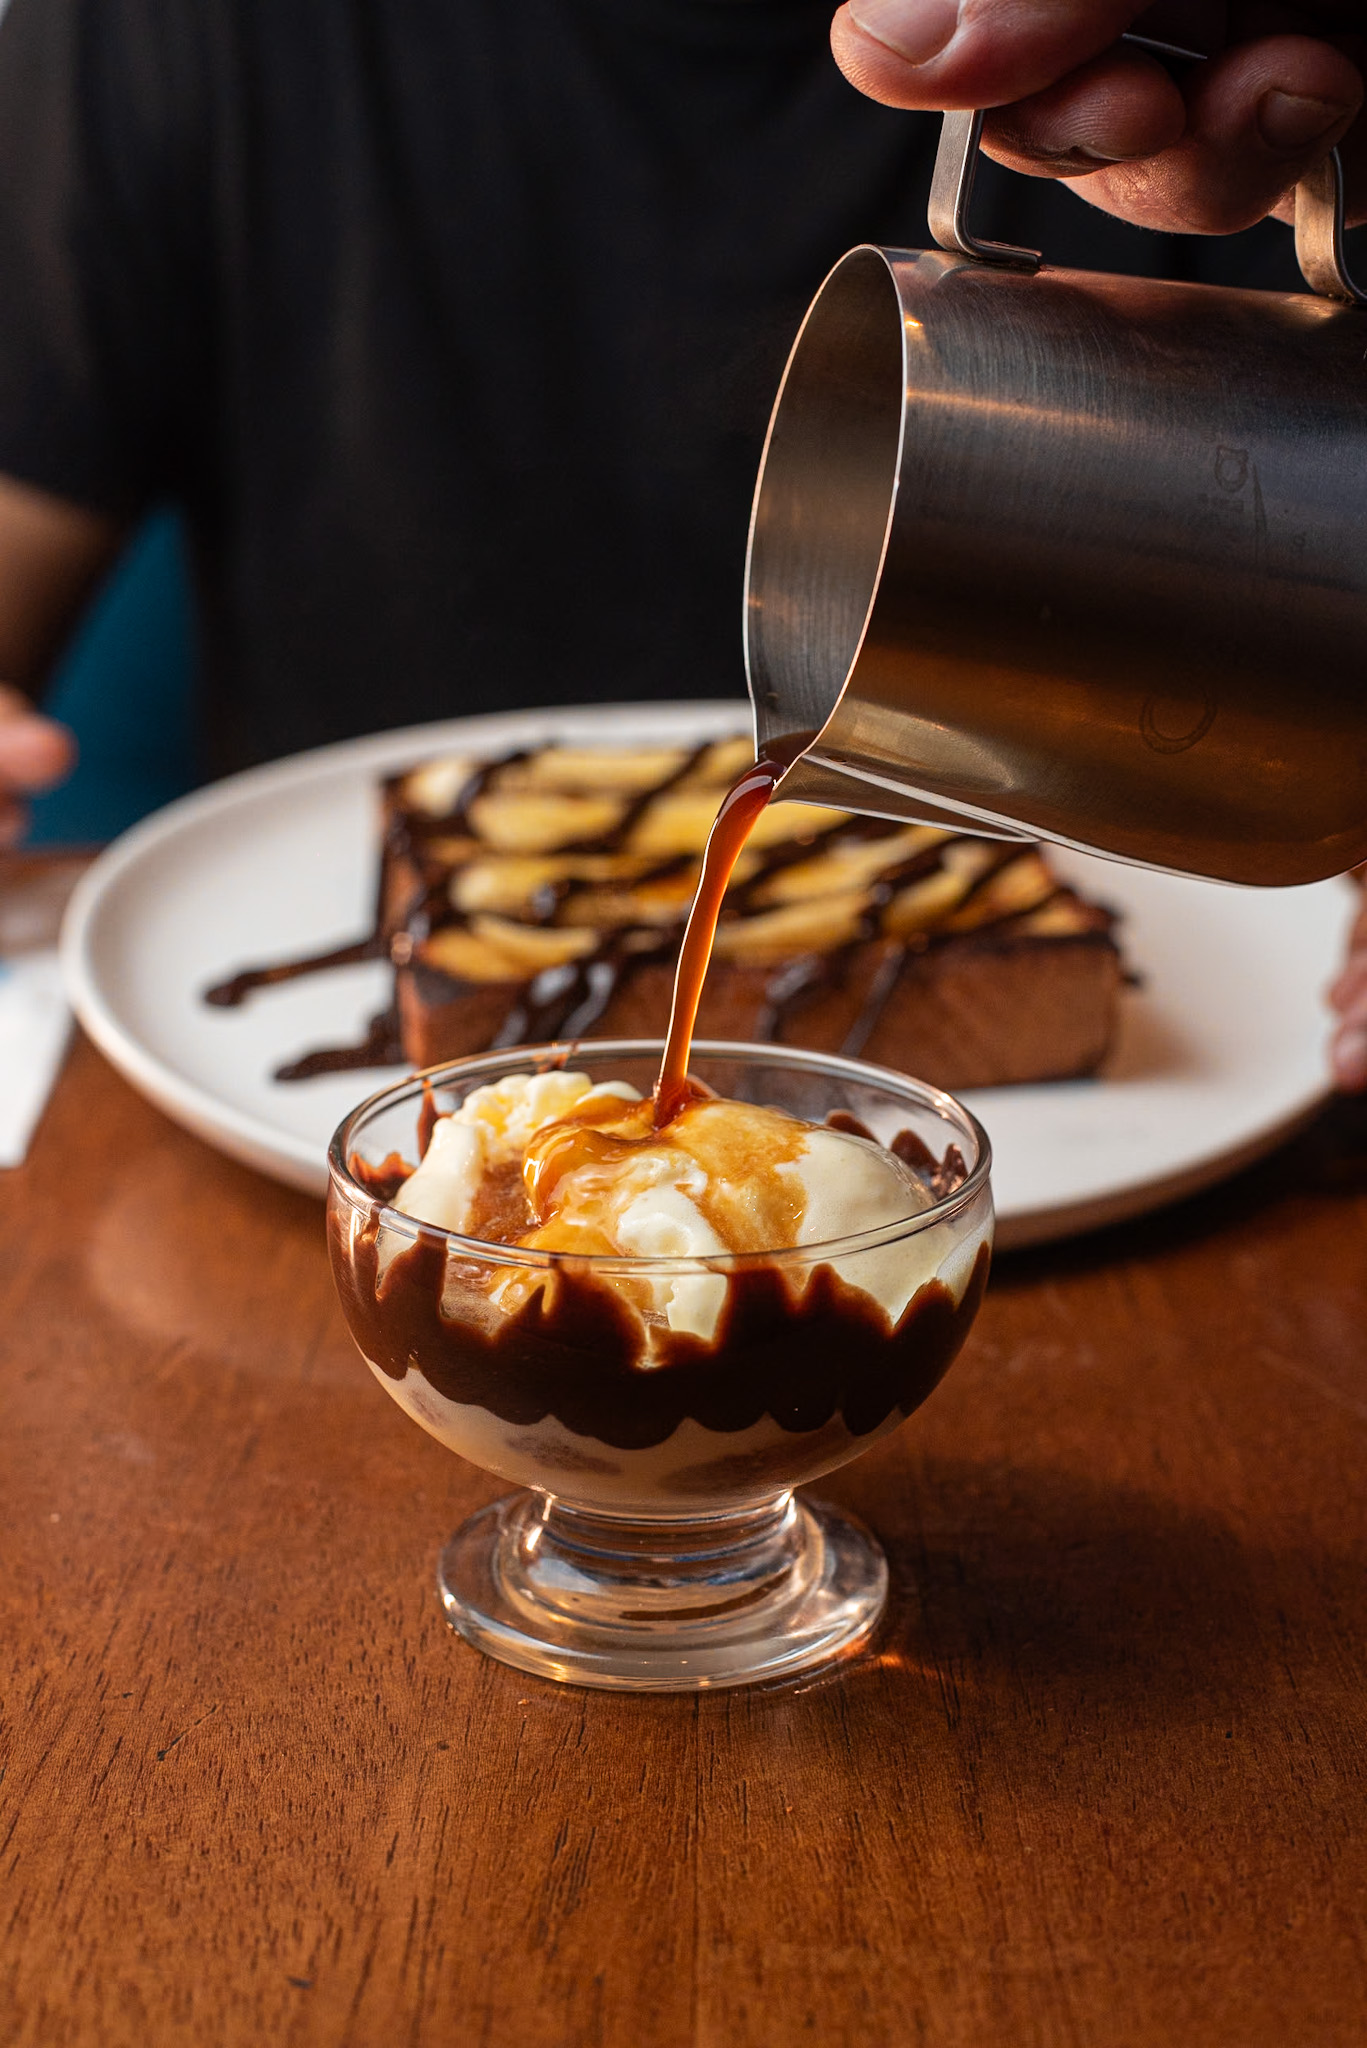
[970, 53]
[35, 752]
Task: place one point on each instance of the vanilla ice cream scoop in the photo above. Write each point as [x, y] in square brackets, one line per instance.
[556, 1164]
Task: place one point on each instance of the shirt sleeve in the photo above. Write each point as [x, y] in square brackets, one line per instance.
[97, 248]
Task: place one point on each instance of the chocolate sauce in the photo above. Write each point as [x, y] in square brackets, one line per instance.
[573, 1350]
[885, 980]
[226, 995]
[796, 982]
[566, 1002]
[841, 1120]
[941, 1176]
[382, 1046]
[427, 1117]
[381, 1178]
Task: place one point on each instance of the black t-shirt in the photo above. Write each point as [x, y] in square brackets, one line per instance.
[454, 325]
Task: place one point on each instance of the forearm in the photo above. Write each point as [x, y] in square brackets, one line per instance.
[51, 555]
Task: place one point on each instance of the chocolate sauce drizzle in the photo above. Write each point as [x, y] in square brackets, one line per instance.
[382, 1046]
[572, 1351]
[567, 1000]
[226, 995]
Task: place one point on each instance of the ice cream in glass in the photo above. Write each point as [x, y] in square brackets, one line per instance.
[659, 1330]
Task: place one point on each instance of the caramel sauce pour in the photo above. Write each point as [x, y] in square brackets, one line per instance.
[573, 1143]
[734, 822]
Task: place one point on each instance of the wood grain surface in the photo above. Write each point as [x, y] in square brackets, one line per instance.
[1101, 1781]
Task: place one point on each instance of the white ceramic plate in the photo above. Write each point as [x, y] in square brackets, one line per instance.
[1220, 1055]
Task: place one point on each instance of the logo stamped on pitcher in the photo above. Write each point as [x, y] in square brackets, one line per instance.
[1169, 725]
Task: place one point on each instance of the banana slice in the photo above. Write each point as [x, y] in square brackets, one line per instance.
[817, 926]
[720, 765]
[506, 884]
[1020, 886]
[925, 904]
[433, 787]
[614, 771]
[530, 947]
[459, 953]
[681, 820]
[530, 822]
[662, 901]
[606, 867]
[497, 949]
[848, 864]
[1064, 917]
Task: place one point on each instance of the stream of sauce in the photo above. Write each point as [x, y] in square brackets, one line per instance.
[734, 822]
[567, 1147]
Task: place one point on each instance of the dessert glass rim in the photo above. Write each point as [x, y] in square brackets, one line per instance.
[561, 1055]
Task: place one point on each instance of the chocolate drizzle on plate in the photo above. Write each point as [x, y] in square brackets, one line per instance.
[226, 995]
[382, 1046]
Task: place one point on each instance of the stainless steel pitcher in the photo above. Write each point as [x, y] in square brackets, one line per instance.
[1057, 555]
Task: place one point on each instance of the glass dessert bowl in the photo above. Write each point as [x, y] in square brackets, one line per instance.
[659, 1410]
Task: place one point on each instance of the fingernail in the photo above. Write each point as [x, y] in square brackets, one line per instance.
[1348, 1056]
[1289, 121]
[916, 29]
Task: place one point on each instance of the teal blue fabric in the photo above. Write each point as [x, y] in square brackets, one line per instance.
[127, 687]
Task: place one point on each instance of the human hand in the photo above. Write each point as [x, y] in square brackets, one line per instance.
[1209, 153]
[1348, 1047]
[35, 753]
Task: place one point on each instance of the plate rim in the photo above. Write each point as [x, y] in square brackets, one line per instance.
[1023, 1229]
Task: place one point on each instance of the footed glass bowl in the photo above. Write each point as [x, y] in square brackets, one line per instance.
[659, 1545]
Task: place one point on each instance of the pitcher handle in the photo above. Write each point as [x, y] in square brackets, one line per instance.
[1320, 249]
[951, 196]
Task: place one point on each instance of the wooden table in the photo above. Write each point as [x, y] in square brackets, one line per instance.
[1101, 1781]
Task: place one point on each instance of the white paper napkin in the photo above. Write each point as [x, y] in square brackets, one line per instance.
[34, 1025]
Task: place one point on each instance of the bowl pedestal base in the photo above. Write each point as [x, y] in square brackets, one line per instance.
[663, 1605]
